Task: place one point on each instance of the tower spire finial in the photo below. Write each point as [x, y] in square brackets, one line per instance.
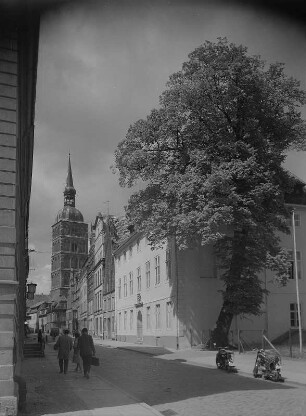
[69, 192]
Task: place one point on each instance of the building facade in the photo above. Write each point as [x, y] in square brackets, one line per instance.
[90, 284]
[110, 238]
[145, 293]
[98, 273]
[19, 36]
[172, 298]
[279, 310]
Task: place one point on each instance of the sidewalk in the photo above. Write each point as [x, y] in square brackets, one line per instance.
[50, 393]
[293, 370]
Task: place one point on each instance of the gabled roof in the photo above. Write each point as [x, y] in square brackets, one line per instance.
[127, 242]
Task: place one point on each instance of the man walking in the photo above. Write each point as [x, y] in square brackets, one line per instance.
[87, 350]
[64, 346]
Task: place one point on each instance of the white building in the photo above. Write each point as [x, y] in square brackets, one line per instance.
[173, 299]
[145, 295]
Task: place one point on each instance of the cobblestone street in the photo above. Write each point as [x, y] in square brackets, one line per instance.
[174, 388]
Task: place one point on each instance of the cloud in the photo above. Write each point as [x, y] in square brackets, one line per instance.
[102, 66]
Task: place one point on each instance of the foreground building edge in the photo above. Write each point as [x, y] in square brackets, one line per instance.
[19, 37]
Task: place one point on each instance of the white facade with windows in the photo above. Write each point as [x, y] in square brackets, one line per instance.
[144, 294]
[173, 299]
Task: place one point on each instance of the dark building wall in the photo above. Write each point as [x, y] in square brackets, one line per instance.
[19, 34]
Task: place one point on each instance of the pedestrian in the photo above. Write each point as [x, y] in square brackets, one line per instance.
[64, 346]
[76, 352]
[87, 350]
[39, 337]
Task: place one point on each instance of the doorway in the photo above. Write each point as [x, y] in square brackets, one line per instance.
[139, 327]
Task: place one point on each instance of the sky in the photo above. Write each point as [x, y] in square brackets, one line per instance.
[102, 65]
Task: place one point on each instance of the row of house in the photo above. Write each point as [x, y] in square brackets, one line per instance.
[129, 292]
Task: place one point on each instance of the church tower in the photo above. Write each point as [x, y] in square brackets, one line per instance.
[69, 242]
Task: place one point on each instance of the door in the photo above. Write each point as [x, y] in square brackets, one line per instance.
[139, 326]
[109, 328]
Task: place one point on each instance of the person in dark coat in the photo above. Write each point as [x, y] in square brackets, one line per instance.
[87, 350]
[39, 337]
[64, 346]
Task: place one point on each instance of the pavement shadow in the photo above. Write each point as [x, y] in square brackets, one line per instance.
[52, 393]
[153, 351]
[157, 381]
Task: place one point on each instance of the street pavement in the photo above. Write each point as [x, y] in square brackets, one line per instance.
[293, 369]
[51, 393]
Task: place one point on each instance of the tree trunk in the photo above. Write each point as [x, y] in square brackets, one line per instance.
[219, 336]
[220, 333]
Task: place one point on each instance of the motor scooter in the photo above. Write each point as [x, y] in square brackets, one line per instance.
[225, 360]
[268, 366]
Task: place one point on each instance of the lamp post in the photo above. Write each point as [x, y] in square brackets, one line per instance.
[297, 285]
[31, 289]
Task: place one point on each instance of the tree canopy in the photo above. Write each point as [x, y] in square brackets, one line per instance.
[210, 160]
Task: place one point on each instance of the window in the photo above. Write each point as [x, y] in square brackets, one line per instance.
[124, 286]
[157, 270]
[169, 314]
[119, 289]
[157, 316]
[138, 279]
[131, 319]
[131, 282]
[294, 319]
[148, 317]
[299, 266]
[297, 220]
[168, 264]
[124, 320]
[148, 274]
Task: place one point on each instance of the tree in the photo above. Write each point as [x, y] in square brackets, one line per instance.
[210, 162]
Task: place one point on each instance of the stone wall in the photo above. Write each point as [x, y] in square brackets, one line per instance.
[18, 63]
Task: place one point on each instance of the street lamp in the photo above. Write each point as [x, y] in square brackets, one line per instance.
[31, 289]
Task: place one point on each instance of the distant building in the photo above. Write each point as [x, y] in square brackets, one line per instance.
[83, 303]
[98, 272]
[69, 248]
[111, 238]
[90, 284]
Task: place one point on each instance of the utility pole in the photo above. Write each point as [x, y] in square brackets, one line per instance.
[297, 284]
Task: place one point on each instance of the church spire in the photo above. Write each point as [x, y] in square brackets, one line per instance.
[69, 192]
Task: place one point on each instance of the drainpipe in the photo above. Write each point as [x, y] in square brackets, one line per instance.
[177, 296]
[297, 286]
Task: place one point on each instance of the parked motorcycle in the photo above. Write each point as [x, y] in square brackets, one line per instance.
[268, 366]
[225, 360]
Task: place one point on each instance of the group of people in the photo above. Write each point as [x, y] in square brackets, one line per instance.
[83, 348]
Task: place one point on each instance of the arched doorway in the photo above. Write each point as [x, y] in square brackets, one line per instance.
[139, 326]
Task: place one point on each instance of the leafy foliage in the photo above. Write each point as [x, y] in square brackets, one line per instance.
[210, 161]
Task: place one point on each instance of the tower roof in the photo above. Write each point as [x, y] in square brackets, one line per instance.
[69, 192]
[69, 212]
